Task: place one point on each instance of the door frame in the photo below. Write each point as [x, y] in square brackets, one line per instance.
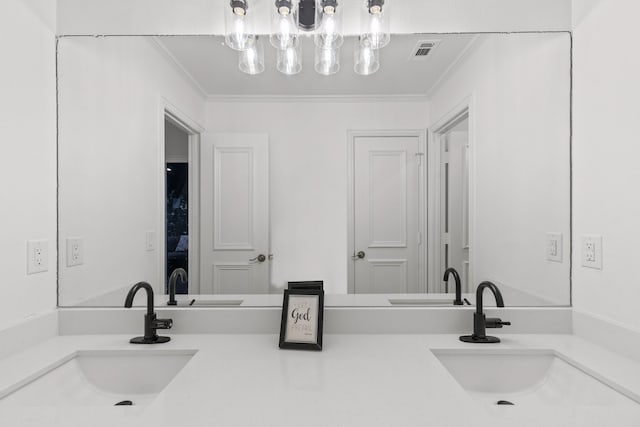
[421, 134]
[169, 111]
[436, 132]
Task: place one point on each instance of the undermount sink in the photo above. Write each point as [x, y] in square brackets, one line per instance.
[442, 302]
[100, 378]
[216, 303]
[527, 378]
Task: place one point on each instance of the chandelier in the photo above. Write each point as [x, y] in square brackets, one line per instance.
[320, 18]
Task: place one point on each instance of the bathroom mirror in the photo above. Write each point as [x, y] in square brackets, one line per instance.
[455, 152]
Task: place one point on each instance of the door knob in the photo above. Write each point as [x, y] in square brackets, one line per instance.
[359, 255]
[259, 258]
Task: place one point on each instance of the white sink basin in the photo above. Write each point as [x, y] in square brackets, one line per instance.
[442, 302]
[527, 378]
[100, 378]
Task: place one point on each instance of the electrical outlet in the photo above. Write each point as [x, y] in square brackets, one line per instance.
[554, 247]
[592, 252]
[37, 256]
[151, 241]
[75, 251]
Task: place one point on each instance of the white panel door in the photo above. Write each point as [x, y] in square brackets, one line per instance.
[455, 203]
[386, 185]
[234, 171]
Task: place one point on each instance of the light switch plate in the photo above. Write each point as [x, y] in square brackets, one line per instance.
[592, 252]
[554, 247]
[75, 251]
[150, 241]
[37, 256]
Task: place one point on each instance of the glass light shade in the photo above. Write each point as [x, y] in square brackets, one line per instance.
[375, 23]
[327, 61]
[290, 60]
[329, 32]
[251, 60]
[238, 25]
[366, 58]
[284, 28]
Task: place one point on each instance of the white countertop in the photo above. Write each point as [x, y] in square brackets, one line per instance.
[357, 380]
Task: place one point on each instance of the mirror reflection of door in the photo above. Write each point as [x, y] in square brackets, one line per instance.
[454, 191]
[234, 217]
[386, 203]
[177, 203]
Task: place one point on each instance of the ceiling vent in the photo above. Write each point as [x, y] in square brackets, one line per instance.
[424, 49]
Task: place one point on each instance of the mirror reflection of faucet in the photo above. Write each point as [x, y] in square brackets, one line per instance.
[452, 271]
[177, 273]
[480, 322]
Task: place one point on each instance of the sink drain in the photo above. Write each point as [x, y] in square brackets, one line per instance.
[124, 403]
[504, 402]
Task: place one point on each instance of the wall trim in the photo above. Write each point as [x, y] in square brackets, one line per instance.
[155, 42]
[469, 49]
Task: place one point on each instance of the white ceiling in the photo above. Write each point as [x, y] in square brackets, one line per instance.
[214, 68]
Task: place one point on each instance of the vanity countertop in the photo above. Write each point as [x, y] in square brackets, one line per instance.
[357, 380]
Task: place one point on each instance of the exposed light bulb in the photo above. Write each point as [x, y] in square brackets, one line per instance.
[375, 23]
[289, 60]
[327, 61]
[284, 31]
[251, 60]
[375, 29]
[238, 25]
[329, 18]
[366, 58]
[239, 33]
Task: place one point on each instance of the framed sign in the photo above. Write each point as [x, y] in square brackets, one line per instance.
[301, 325]
[309, 284]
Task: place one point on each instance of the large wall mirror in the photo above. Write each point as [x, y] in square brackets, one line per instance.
[455, 153]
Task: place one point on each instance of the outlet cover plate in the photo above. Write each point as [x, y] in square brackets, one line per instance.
[37, 256]
[554, 247]
[592, 251]
[75, 251]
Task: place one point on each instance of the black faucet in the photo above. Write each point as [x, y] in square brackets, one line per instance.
[480, 323]
[456, 277]
[150, 321]
[178, 272]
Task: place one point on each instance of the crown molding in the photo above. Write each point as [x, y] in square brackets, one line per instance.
[176, 65]
[457, 63]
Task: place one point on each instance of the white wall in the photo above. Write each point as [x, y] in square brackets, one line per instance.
[606, 153]
[308, 175]
[28, 172]
[520, 125]
[110, 158]
[409, 16]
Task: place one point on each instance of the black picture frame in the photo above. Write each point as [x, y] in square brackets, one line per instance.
[307, 284]
[302, 336]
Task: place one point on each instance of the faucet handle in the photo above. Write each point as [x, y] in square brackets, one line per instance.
[162, 323]
[494, 322]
